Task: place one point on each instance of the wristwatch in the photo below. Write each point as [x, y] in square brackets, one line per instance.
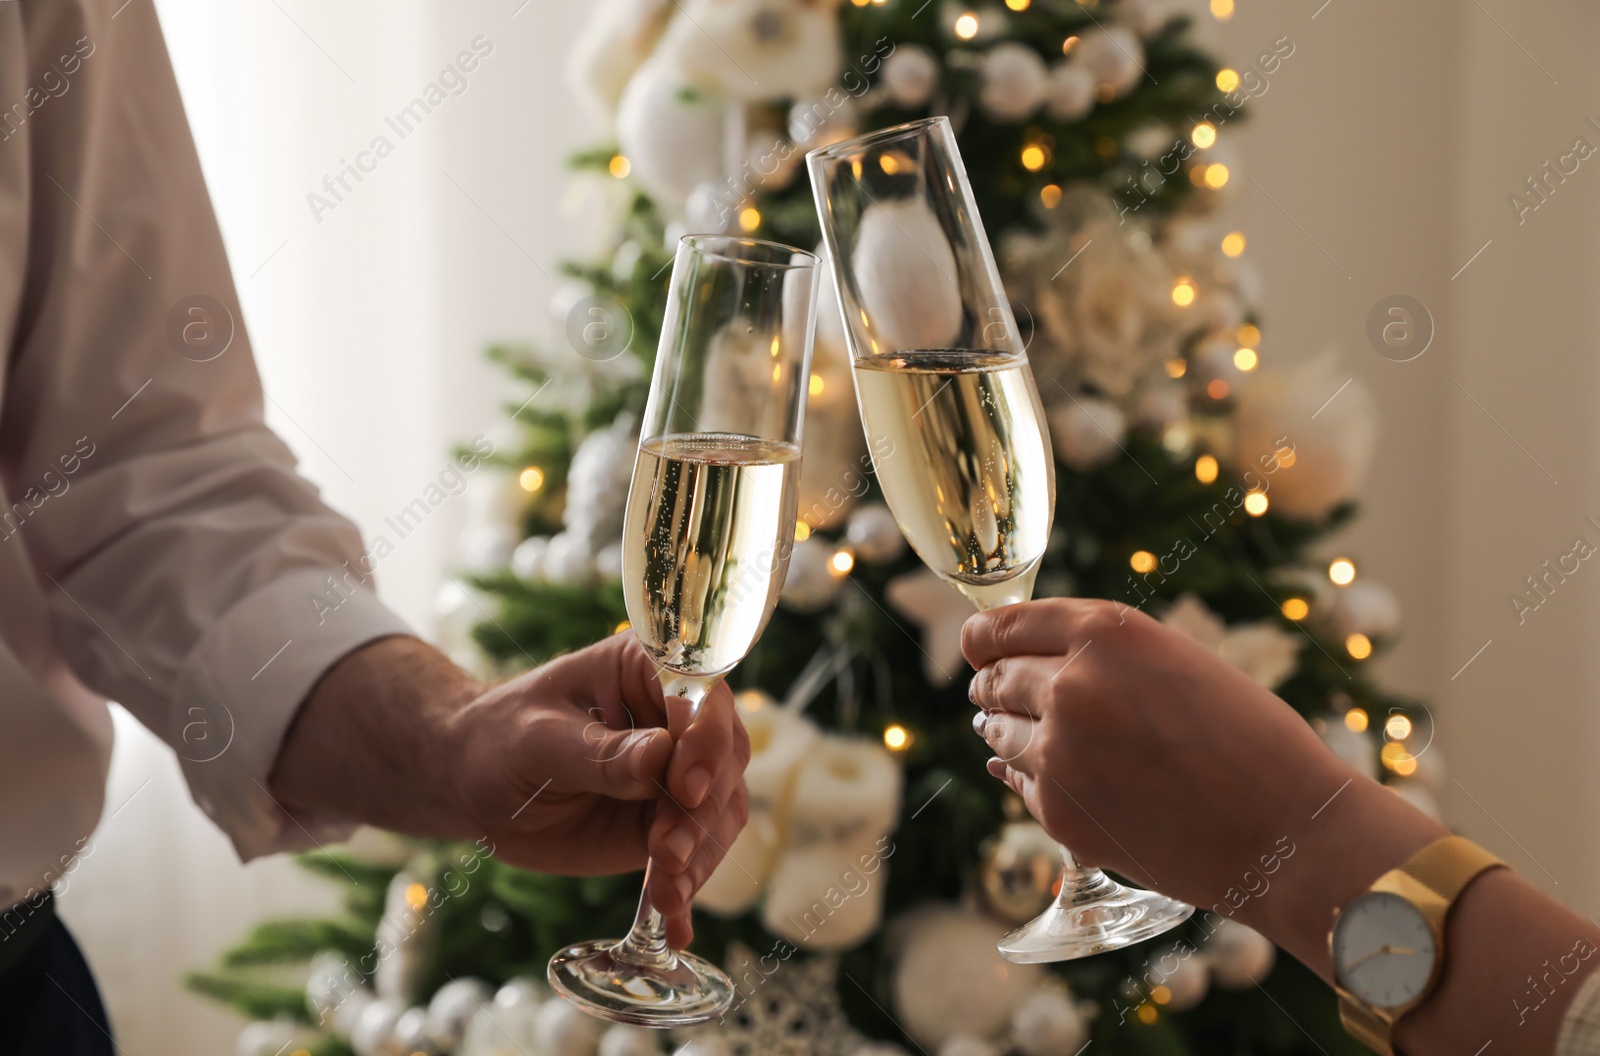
[1387, 945]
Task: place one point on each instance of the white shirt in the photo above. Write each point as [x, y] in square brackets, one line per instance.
[156, 544]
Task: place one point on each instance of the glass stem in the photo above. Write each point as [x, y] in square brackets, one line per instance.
[646, 942]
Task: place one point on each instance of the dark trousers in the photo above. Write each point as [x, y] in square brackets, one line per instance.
[48, 1001]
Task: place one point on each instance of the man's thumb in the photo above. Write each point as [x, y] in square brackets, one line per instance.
[624, 764]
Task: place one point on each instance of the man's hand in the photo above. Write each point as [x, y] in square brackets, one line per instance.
[577, 767]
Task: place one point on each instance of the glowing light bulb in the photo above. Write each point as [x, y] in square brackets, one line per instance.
[1068, 44]
[1227, 80]
[1246, 359]
[967, 26]
[1183, 293]
[749, 218]
[1255, 503]
[1232, 244]
[531, 479]
[619, 628]
[620, 166]
[1050, 195]
[1177, 367]
[1216, 175]
[1249, 335]
[802, 531]
[842, 561]
[896, 737]
[1205, 469]
[1355, 720]
[814, 386]
[1296, 609]
[1398, 728]
[1222, 9]
[1359, 646]
[1017, 5]
[1204, 135]
[1034, 157]
[1143, 561]
[1342, 571]
[1160, 995]
[416, 895]
[1217, 389]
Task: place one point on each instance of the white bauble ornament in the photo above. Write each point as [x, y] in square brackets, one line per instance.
[1366, 607]
[1145, 17]
[1239, 956]
[561, 1029]
[522, 993]
[940, 610]
[527, 560]
[780, 740]
[1049, 1023]
[411, 1032]
[754, 50]
[1149, 141]
[501, 1031]
[1186, 980]
[266, 1038]
[1353, 749]
[1113, 56]
[608, 561]
[618, 37]
[911, 74]
[566, 559]
[623, 1040]
[816, 123]
[344, 1017]
[671, 134]
[1070, 94]
[1086, 431]
[810, 583]
[968, 1045]
[1418, 796]
[710, 208]
[738, 880]
[1014, 82]
[1332, 451]
[771, 160]
[906, 276]
[452, 1008]
[949, 979]
[707, 1044]
[874, 533]
[329, 983]
[373, 1033]
[597, 483]
[1160, 404]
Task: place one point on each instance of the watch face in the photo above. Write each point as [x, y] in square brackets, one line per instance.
[1383, 950]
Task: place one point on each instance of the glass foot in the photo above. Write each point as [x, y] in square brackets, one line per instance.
[1092, 914]
[681, 991]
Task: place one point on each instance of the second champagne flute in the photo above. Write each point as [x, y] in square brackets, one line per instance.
[705, 545]
[942, 375]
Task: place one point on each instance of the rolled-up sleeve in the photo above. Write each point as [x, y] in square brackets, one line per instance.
[193, 576]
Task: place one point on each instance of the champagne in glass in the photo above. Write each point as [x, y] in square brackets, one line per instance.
[705, 546]
[954, 421]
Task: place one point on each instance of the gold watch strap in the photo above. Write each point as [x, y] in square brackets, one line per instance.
[1448, 865]
[1445, 866]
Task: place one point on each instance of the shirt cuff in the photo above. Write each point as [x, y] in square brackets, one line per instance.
[1580, 1030]
[241, 686]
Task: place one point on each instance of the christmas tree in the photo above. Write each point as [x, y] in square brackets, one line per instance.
[1198, 474]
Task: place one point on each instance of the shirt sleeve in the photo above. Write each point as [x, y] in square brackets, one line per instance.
[192, 575]
[1580, 1028]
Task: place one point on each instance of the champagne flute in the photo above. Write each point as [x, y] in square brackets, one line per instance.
[706, 541]
[959, 441]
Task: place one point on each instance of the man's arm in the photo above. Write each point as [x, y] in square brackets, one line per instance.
[577, 767]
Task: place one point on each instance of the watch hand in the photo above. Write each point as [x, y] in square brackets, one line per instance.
[1359, 961]
[1407, 951]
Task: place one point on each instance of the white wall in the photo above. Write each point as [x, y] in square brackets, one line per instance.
[1389, 140]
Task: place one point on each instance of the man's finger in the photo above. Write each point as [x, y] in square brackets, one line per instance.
[1049, 627]
[708, 759]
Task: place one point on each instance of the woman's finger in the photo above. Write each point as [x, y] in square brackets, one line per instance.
[711, 753]
[1036, 628]
[1010, 735]
[1020, 684]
